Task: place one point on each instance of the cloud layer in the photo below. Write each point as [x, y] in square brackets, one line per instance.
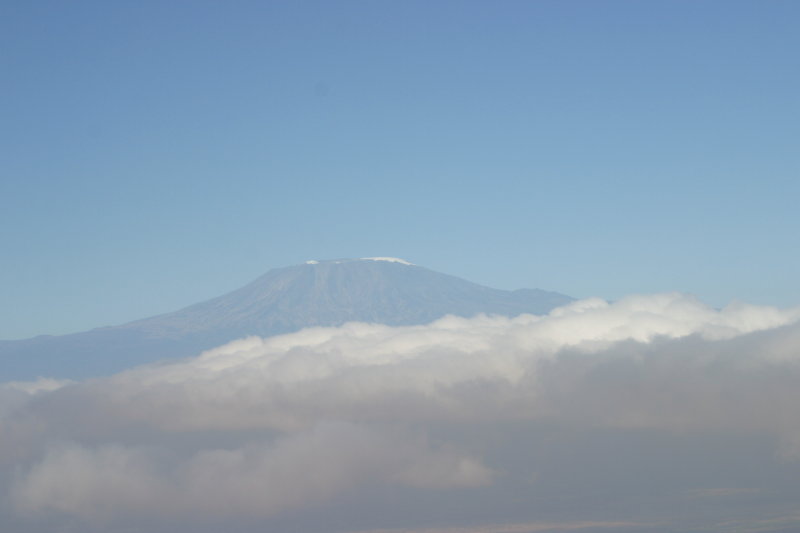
[581, 416]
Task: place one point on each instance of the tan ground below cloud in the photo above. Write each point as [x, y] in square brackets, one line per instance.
[527, 527]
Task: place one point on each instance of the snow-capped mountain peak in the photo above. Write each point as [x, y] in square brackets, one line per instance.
[383, 290]
[388, 260]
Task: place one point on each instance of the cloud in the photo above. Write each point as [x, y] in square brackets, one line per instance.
[647, 399]
[257, 479]
[14, 394]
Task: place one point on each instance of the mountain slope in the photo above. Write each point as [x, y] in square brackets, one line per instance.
[318, 293]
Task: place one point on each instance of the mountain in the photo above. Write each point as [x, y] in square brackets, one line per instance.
[318, 293]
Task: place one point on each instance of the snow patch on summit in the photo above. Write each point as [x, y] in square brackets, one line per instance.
[388, 259]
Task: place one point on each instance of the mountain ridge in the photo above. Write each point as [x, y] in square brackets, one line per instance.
[385, 290]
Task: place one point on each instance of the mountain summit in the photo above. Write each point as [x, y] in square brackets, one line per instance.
[385, 290]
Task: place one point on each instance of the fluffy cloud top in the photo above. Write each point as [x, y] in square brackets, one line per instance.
[261, 432]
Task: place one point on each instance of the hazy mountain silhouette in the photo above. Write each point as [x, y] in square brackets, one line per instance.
[317, 293]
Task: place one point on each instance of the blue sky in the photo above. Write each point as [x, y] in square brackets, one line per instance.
[160, 153]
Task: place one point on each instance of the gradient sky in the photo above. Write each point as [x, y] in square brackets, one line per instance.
[156, 154]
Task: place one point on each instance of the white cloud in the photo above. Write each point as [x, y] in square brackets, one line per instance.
[15, 394]
[256, 479]
[261, 427]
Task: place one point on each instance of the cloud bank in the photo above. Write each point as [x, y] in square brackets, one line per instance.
[595, 414]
